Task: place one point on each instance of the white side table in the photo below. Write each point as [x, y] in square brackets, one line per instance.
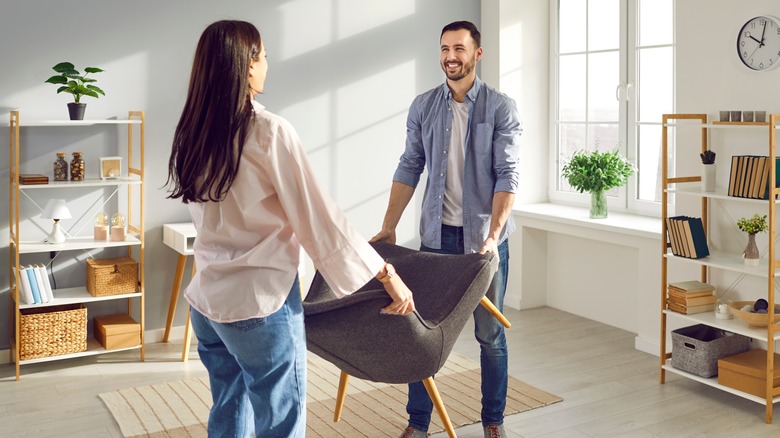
[180, 237]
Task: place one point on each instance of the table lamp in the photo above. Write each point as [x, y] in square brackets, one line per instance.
[56, 209]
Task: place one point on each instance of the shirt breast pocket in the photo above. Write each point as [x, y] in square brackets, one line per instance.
[483, 139]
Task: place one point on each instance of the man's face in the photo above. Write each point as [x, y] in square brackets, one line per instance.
[459, 54]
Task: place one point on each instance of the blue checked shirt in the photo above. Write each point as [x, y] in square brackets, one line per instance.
[491, 159]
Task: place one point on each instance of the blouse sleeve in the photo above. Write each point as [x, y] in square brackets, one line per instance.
[346, 259]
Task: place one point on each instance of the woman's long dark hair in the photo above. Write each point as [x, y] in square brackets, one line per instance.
[214, 123]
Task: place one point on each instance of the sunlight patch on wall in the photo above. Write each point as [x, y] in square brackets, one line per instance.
[511, 61]
[375, 98]
[356, 16]
[311, 118]
[305, 26]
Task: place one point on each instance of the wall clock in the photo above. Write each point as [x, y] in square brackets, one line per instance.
[758, 43]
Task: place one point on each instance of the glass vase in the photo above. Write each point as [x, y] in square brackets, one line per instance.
[751, 254]
[598, 205]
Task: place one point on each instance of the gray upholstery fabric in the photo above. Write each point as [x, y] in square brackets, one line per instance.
[351, 334]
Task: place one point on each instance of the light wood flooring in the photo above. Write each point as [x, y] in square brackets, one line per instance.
[609, 388]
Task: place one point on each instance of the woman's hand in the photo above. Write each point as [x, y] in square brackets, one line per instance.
[403, 302]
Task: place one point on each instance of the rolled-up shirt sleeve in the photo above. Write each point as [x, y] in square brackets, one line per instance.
[506, 149]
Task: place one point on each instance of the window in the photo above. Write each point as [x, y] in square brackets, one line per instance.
[614, 77]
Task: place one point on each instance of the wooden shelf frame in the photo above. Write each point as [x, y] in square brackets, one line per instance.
[134, 181]
[768, 269]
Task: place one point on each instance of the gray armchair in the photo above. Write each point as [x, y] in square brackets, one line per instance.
[351, 334]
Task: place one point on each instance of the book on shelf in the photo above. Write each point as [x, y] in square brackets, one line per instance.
[39, 283]
[692, 286]
[46, 282]
[33, 178]
[25, 292]
[690, 310]
[750, 176]
[682, 294]
[33, 285]
[687, 234]
[693, 301]
[43, 283]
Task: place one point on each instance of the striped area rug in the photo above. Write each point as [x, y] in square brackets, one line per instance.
[180, 408]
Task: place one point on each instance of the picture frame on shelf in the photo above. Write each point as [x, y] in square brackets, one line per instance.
[110, 167]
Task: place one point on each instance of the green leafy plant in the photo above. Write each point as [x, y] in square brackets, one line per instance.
[707, 157]
[74, 82]
[756, 224]
[595, 171]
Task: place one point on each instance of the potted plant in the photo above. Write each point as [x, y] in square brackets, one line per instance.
[708, 172]
[78, 85]
[752, 226]
[596, 172]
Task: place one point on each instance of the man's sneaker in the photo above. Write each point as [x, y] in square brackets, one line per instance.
[411, 432]
[494, 431]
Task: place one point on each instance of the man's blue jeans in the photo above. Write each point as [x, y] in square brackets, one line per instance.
[490, 335]
[257, 370]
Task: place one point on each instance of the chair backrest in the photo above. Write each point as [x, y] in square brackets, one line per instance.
[350, 333]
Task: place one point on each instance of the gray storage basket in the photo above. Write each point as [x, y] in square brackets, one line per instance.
[696, 349]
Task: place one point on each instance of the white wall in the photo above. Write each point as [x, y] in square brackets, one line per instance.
[342, 71]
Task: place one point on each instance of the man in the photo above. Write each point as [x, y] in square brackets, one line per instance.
[466, 134]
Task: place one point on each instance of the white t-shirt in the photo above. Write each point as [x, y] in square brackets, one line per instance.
[452, 208]
[247, 250]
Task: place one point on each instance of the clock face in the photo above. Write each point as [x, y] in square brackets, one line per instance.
[758, 43]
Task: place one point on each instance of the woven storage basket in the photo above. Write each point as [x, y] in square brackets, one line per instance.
[52, 331]
[697, 348]
[112, 276]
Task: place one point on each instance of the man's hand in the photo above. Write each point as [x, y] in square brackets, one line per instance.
[384, 236]
[490, 245]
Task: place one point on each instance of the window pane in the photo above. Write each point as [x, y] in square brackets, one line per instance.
[604, 137]
[571, 26]
[603, 78]
[603, 24]
[655, 22]
[649, 165]
[656, 83]
[571, 88]
[571, 138]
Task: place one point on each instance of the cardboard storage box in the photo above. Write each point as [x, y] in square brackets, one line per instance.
[117, 331]
[747, 372]
[697, 348]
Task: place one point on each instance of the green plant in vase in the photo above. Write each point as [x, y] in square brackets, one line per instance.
[596, 172]
[752, 226]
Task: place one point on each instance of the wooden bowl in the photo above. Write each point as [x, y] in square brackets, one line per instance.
[749, 318]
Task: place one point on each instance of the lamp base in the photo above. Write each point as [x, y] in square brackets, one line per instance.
[56, 235]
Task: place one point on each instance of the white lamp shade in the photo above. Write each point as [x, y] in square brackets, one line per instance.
[56, 209]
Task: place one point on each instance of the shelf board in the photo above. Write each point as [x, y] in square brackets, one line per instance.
[76, 295]
[75, 243]
[728, 261]
[62, 122]
[731, 125]
[720, 193]
[93, 348]
[734, 325]
[713, 381]
[85, 183]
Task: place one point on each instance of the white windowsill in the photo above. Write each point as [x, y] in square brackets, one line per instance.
[631, 224]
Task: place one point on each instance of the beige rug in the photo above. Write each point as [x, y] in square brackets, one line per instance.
[181, 408]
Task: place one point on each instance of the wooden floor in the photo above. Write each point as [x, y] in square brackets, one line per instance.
[609, 388]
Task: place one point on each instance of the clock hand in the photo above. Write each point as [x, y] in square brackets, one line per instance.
[759, 42]
[762, 35]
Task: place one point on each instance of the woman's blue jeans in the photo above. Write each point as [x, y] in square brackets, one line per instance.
[257, 371]
[490, 335]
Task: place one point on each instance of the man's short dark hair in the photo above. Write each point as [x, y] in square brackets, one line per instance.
[469, 26]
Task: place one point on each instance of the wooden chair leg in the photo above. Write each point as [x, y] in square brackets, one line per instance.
[495, 312]
[342, 394]
[433, 393]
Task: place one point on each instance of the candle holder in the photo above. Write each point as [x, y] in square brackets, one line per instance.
[101, 227]
[118, 229]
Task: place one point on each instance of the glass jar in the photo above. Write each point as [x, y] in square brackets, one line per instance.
[77, 167]
[60, 167]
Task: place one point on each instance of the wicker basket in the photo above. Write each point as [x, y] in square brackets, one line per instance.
[750, 318]
[112, 276]
[52, 331]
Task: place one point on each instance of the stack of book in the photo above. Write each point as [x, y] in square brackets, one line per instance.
[689, 297]
[35, 286]
[686, 237]
[33, 178]
[749, 177]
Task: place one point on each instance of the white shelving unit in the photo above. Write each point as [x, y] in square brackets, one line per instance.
[768, 269]
[132, 183]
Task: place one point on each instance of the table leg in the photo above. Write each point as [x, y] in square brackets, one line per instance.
[174, 294]
[185, 353]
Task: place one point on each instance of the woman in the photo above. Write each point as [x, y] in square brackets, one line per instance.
[249, 188]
